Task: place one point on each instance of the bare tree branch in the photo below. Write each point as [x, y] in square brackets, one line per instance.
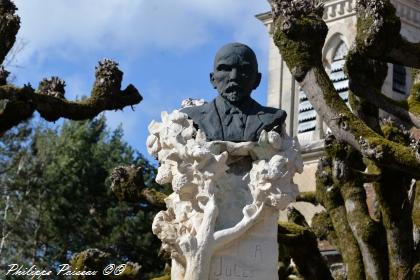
[347, 127]
[405, 53]
[9, 27]
[307, 197]
[378, 34]
[299, 33]
[330, 197]
[300, 40]
[49, 99]
[369, 234]
[127, 183]
[366, 77]
[302, 245]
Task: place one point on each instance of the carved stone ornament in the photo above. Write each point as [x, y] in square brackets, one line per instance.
[221, 219]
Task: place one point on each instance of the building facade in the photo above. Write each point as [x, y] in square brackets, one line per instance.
[284, 91]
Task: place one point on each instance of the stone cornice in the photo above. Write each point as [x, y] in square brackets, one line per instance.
[407, 10]
[337, 9]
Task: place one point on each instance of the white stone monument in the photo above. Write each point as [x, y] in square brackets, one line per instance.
[221, 219]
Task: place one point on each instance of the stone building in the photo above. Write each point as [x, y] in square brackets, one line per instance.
[302, 120]
[284, 92]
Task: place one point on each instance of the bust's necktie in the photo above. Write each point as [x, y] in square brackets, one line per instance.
[235, 129]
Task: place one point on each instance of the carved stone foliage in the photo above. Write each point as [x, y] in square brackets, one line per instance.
[196, 225]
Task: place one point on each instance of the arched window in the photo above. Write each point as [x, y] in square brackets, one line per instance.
[307, 114]
[337, 75]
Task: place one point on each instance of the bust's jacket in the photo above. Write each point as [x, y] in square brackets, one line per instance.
[208, 119]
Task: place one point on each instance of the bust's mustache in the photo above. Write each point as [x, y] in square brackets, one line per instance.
[233, 87]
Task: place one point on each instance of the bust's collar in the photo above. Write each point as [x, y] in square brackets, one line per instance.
[227, 108]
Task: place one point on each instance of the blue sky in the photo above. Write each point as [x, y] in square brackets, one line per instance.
[164, 47]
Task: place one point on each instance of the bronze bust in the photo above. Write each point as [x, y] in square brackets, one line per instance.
[234, 115]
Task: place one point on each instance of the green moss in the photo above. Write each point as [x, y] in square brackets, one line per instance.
[127, 183]
[164, 277]
[300, 242]
[323, 181]
[367, 72]
[89, 260]
[375, 40]
[323, 227]
[326, 192]
[301, 47]
[348, 245]
[291, 233]
[307, 197]
[416, 206]
[154, 197]
[368, 230]
[363, 26]
[380, 149]
[416, 272]
[413, 100]
[393, 133]
[391, 193]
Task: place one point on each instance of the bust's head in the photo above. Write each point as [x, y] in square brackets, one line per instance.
[235, 72]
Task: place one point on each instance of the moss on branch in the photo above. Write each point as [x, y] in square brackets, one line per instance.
[299, 34]
[97, 260]
[378, 34]
[302, 53]
[164, 277]
[413, 100]
[366, 79]
[9, 27]
[377, 27]
[127, 184]
[49, 99]
[396, 218]
[328, 193]
[349, 128]
[323, 228]
[307, 197]
[405, 53]
[369, 234]
[302, 246]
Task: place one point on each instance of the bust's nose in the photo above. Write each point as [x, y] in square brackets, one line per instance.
[233, 75]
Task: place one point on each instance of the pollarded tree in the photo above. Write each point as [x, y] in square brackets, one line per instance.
[20, 103]
[49, 100]
[363, 149]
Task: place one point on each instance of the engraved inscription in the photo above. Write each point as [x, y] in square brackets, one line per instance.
[226, 270]
[258, 253]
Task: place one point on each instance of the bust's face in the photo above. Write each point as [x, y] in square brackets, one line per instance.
[235, 72]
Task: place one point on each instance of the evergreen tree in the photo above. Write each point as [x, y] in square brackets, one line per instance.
[72, 208]
[13, 189]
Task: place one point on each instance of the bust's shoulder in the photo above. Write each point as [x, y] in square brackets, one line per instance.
[269, 115]
[269, 111]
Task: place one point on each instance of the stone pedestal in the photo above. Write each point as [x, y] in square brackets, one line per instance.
[255, 254]
[221, 222]
[252, 257]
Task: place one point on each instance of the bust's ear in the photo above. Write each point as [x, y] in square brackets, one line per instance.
[257, 80]
[212, 80]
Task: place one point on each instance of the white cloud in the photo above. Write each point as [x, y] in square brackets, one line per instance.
[57, 26]
[66, 30]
